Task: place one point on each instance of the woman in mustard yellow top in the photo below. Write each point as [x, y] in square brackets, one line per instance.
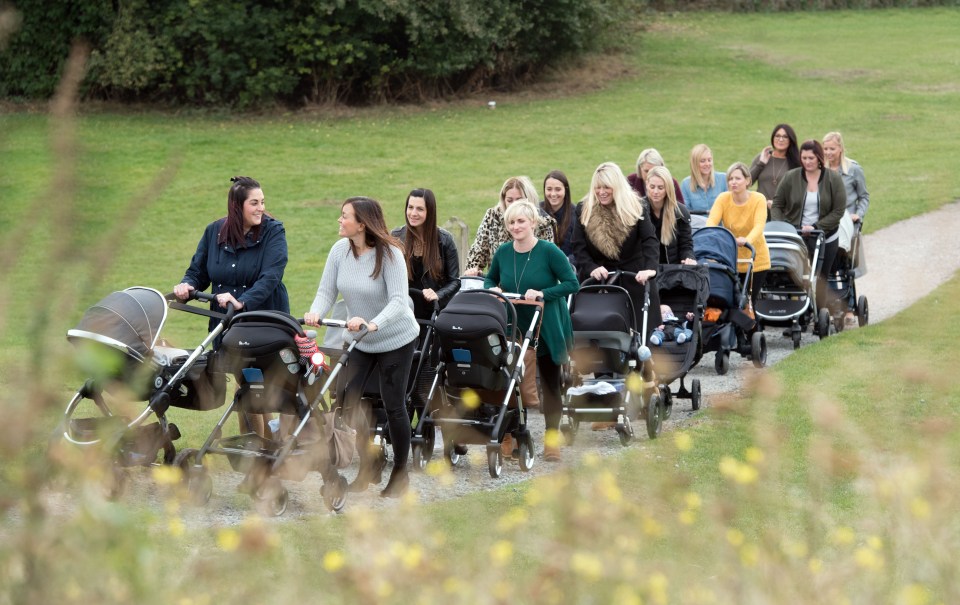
[744, 213]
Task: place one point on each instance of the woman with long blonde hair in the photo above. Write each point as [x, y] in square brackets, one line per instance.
[704, 184]
[491, 234]
[858, 198]
[671, 221]
[612, 233]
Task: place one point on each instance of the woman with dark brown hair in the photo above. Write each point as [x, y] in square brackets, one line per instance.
[813, 197]
[557, 203]
[241, 258]
[433, 266]
[367, 268]
[773, 162]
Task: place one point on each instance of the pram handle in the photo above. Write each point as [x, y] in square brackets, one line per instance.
[419, 292]
[339, 323]
[520, 299]
[175, 303]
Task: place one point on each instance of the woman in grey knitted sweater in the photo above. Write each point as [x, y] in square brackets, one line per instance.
[367, 268]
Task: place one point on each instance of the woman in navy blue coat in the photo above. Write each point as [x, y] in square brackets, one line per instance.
[241, 258]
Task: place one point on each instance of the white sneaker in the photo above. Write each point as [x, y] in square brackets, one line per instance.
[681, 338]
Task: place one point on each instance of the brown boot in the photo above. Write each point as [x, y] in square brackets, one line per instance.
[551, 453]
[506, 447]
[602, 426]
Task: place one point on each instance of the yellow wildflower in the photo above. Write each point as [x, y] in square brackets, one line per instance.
[501, 552]
[683, 441]
[333, 561]
[735, 537]
[920, 508]
[586, 565]
[167, 475]
[228, 539]
[868, 558]
[624, 594]
[754, 455]
[914, 594]
[470, 399]
[843, 536]
[657, 587]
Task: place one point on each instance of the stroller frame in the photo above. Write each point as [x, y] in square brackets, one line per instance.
[735, 330]
[792, 305]
[691, 351]
[490, 430]
[133, 442]
[265, 460]
[842, 285]
[639, 362]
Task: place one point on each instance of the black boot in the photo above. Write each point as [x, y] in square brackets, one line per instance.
[371, 472]
[398, 484]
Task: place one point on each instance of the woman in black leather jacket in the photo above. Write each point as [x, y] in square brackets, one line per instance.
[670, 219]
[433, 266]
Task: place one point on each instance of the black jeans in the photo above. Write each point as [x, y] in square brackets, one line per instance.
[759, 279]
[394, 372]
[550, 379]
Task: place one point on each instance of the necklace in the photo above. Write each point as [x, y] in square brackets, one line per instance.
[516, 279]
[777, 175]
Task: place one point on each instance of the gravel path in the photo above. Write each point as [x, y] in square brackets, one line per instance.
[906, 261]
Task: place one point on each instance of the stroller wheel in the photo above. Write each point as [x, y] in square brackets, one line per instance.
[796, 338]
[823, 323]
[695, 394]
[196, 479]
[451, 453]
[526, 452]
[863, 311]
[495, 462]
[271, 498]
[334, 493]
[722, 362]
[654, 416]
[423, 451]
[624, 430]
[758, 349]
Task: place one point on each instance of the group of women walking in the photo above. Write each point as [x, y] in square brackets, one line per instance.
[539, 249]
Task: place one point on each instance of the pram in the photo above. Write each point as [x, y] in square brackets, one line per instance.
[727, 325]
[789, 296]
[608, 344]
[842, 286]
[686, 289]
[117, 341]
[478, 380]
[262, 351]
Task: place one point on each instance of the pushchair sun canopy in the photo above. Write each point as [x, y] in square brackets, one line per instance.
[129, 320]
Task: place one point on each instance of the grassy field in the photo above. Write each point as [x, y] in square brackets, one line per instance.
[836, 482]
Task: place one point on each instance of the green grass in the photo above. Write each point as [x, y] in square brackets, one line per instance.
[855, 436]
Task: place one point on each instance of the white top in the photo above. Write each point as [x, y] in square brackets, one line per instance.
[811, 208]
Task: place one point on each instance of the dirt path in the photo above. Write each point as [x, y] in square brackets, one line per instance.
[908, 260]
[905, 262]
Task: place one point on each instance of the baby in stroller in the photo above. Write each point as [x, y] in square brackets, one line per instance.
[672, 327]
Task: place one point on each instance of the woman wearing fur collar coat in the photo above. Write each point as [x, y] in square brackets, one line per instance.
[611, 233]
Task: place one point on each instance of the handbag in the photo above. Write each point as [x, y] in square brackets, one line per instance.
[341, 438]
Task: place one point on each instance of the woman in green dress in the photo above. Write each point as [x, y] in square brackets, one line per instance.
[538, 268]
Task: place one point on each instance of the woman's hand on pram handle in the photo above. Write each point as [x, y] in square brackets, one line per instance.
[313, 319]
[183, 292]
[599, 274]
[644, 275]
[532, 294]
[356, 324]
[227, 299]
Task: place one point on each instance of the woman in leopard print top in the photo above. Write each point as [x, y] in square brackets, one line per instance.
[492, 233]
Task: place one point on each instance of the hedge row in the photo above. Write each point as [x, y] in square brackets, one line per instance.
[238, 53]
